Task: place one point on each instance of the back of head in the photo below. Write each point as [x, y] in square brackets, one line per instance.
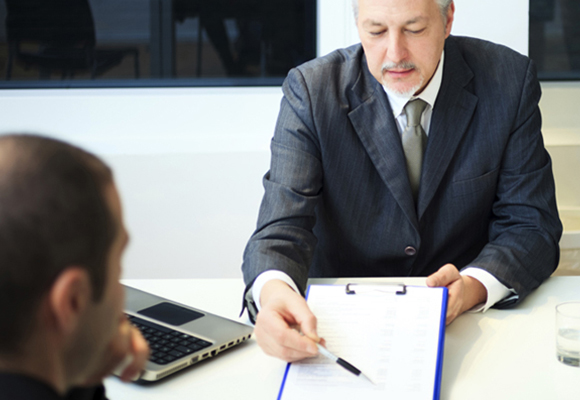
[53, 215]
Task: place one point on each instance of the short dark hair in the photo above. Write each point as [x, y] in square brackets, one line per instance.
[53, 214]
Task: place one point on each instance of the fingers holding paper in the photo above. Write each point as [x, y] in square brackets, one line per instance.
[285, 326]
[464, 293]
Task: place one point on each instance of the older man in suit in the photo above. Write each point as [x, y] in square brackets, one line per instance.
[415, 153]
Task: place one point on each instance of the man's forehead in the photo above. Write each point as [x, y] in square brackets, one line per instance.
[398, 3]
[115, 208]
[403, 11]
[125, 236]
[113, 200]
[373, 21]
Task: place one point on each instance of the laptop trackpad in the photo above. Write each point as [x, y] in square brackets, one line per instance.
[170, 314]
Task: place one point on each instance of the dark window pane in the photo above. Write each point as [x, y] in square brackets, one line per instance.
[104, 43]
[555, 38]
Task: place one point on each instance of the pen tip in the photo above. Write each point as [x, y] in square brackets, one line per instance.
[368, 379]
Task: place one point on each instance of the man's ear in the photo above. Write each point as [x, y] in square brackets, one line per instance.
[69, 297]
[450, 17]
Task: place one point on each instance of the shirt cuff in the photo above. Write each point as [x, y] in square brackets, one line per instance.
[267, 276]
[496, 291]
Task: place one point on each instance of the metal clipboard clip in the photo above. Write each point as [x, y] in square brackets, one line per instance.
[356, 288]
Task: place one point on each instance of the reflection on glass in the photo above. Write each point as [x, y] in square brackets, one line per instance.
[56, 43]
[555, 38]
[57, 36]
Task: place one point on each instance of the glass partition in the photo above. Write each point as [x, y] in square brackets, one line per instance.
[144, 43]
[555, 38]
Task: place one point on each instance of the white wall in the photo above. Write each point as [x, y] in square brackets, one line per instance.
[499, 21]
[189, 162]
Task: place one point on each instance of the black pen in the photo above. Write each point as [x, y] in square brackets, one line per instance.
[343, 363]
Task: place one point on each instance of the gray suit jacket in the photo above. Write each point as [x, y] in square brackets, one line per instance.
[337, 198]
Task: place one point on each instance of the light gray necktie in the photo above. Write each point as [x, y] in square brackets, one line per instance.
[414, 139]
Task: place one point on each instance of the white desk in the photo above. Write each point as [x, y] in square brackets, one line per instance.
[502, 354]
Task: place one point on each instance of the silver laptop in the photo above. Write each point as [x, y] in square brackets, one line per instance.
[178, 335]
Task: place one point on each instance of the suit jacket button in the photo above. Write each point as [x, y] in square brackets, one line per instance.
[410, 251]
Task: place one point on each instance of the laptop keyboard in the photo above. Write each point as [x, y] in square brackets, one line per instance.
[166, 344]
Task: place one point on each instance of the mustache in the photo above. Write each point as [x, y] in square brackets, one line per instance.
[401, 65]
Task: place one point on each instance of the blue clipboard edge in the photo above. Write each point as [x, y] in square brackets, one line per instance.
[284, 381]
[440, 349]
[289, 364]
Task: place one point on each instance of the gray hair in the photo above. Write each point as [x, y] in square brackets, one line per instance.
[443, 7]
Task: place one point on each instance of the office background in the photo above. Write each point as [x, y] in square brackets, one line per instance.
[189, 161]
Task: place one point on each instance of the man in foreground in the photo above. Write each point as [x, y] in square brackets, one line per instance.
[415, 153]
[61, 242]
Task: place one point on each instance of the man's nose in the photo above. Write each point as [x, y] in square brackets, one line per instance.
[397, 48]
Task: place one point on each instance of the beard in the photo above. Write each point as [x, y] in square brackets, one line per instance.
[405, 65]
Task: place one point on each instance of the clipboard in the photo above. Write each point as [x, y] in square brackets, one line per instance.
[392, 332]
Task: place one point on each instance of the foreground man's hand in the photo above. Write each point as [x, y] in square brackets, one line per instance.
[465, 292]
[128, 349]
[283, 314]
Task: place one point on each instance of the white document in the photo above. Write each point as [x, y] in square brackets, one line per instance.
[396, 340]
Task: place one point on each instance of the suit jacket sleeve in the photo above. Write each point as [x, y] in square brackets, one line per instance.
[524, 230]
[283, 239]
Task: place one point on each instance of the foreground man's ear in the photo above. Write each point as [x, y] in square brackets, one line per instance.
[69, 297]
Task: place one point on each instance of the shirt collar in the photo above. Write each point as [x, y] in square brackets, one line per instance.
[428, 95]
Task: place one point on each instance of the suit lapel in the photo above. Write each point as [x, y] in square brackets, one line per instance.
[452, 114]
[375, 125]
[372, 119]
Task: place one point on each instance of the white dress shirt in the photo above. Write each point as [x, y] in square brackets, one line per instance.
[496, 291]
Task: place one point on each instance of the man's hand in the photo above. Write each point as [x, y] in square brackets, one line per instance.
[138, 354]
[285, 326]
[128, 350]
[465, 292]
